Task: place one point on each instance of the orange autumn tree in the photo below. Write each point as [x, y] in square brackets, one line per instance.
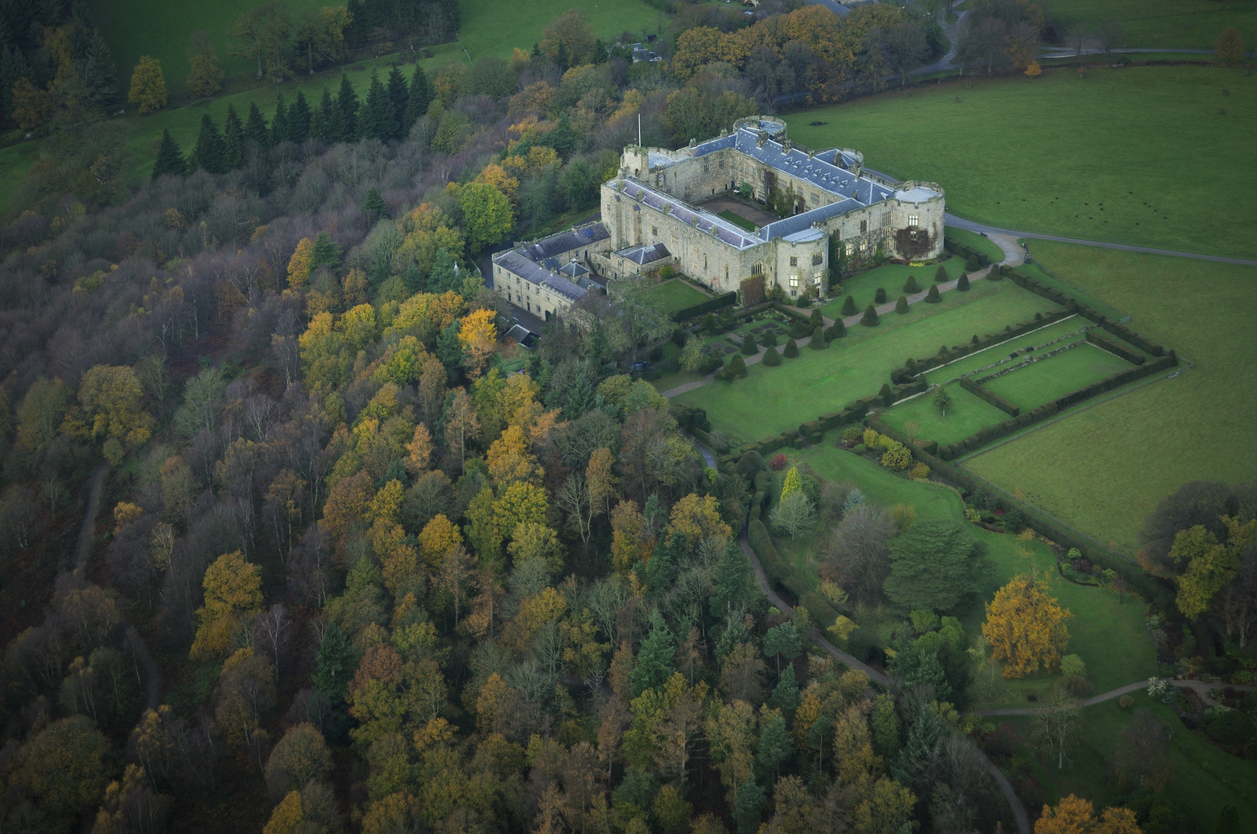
[233, 590]
[1077, 816]
[478, 334]
[1026, 627]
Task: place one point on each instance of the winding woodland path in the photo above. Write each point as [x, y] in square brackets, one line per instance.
[1201, 688]
[84, 547]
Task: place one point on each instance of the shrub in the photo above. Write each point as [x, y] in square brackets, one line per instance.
[932, 296]
[749, 347]
[852, 434]
[666, 272]
[896, 456]
[778, 463]
[848, 306]
[1229, 726]
[996, 272]
[870, 317]
[975, 340]
[769, 339]
[736, 366]
[712, 363]
[1125, 702]
[1073, 665]
[750, 463]
[920, 472]
[962, 285]
[870, 437]
[972, 264]
[835, 331]
[655, 353]
[771, 357]
[816, 320]
[860, 448]
[1074, 686]
[680, 336]
[862, 644]
[880, 296]
[792, 350]
[911, 286]
[818, 339]
[901, 306]
[804, 301]
[709, 324]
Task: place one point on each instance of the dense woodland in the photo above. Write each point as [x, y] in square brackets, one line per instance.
[344, 573]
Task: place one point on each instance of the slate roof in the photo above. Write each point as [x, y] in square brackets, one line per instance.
[533, 273]
[703, 220]
[645, 254]
[555, 245]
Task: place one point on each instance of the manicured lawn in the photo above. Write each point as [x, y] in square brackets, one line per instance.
[891, 277]
[771, 400]
[975, 241]
[1184, 24]
[1205, 777]
[974, 361]
[738, 220]
[966, 416]
[1105, 468]
[933, 502]
[1047, 379]
[677, 294]
[1096, 158]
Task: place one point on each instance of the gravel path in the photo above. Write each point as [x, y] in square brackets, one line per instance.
[1201, 688]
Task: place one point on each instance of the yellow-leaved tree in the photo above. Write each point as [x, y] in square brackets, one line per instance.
[109, 407]
[300, 263]
[148, 85]
[233, 590]
[1026, 627]
[478, 335]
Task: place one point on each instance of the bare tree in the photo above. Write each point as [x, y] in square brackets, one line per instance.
[857, 557]
[271, 634]
[1058, 719]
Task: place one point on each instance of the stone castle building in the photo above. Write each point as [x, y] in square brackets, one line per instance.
[548, 275]
[650, 210]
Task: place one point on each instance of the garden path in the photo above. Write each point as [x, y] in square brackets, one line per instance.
[1201, 688]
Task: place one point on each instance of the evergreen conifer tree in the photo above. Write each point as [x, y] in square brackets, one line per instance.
[299, 119]
[334, 665]
[836, 331]
[962, 285]
[940, 275]
[325, 252]
[233, 140]
[870, 317]
[901, 306]
[932, 296]
[785, 695]
[654, 661]
[818, 339]
[418, 97]
[748, 345]
[169, 158]
[792, 350]
[255, 129]
[848, 306]
[374, 206]
[911, 287]
[816, 319]
[99, 75]
[398, 94]
[326, 118]
[771, 357]
[377, 115]
[210, 149]
[347, 104]
[736, 367]
[279, 122]
[561, 138]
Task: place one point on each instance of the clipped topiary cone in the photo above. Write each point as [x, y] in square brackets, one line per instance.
[932, 297]
[848, 306]
[940, 276]
[880, 296]
[901, 306]
[870, 317]
[818, 339]
[771, 357]
[911, 287]
[962, 285]
[792, 350]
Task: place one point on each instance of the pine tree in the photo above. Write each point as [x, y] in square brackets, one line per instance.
[233, 140]
[748, 805]
[932, 297]
[870, 317]
[818, 339]
[962, 285]
[99, 76]
[911, 287]
[418, 97]
[169, 158]
[347, 105]
[377, 115]
[940, 275]
[774, 746]
[901, 306]
[334, 665]
[654, 660]
[326, 252]
[848, 306]
[792, 350]
[374, 206]
[210, 149]
[299, 119]
[324, 124]
[255, 130]
[561, 138]
[398, 94]
[785, 695]
[279, 122]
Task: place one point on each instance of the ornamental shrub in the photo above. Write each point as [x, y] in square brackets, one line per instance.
[940, 275]
[736, 366]
[995, 273]
[778, 463]
[769, 339]
[848, 306]
[932, 296]
[749, 347]
[852, 434]
[817, 320]
[750, 463]
[771, 357]
[880, 296]
[792, 350]
[680, 336]
[1125, 702]
[901, 306]
[870, 437]
[920, 472]
[972, 264]
[835, 331]
[886, 394]
[963, 284]
[911, 287]
[1230, 727]
[896, 456]
[818, 339]
[860, 448]
[870, 317]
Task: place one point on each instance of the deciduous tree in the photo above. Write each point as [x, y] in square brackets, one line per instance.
[233, 589]
[205, 78]
[148, 86]
[1026, 627]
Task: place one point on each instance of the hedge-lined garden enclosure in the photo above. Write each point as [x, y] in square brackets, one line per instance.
[890, 277]
[676, 295]
[1105, 468]
[772, 400]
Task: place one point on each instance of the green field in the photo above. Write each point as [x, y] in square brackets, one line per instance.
[1137, 155]
[738, 220]
[677, 294]
[1106, 467]
[771, 400]
[489, 28]
[974, 361]
[1205, 778]
[1184, 24]
[975, 241]
[966, 416]
[1048, 379]
[892, 278]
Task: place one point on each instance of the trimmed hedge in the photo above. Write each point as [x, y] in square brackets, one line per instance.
[835, 331]
[726, 300]
[1114, 348]
[1149, 587]
[990, 397]
[1130, 337]
[923, 365]
[965, 252]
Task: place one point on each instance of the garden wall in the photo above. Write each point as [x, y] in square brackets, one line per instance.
[726, 300]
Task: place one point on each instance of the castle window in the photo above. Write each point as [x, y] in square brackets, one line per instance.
[864, 227]
[794, 279]
[850, 249]
[914, 219]
[794, 261]
[757, 269]
[818, 259]
[816, 278]
[654, 231]
[864, 244]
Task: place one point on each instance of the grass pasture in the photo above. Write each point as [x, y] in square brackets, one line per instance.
[1149, 24]
[975, 241]
[1105, 468]
[677, 295]
[770, 400]
[1048, 379]
[1098, 158]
